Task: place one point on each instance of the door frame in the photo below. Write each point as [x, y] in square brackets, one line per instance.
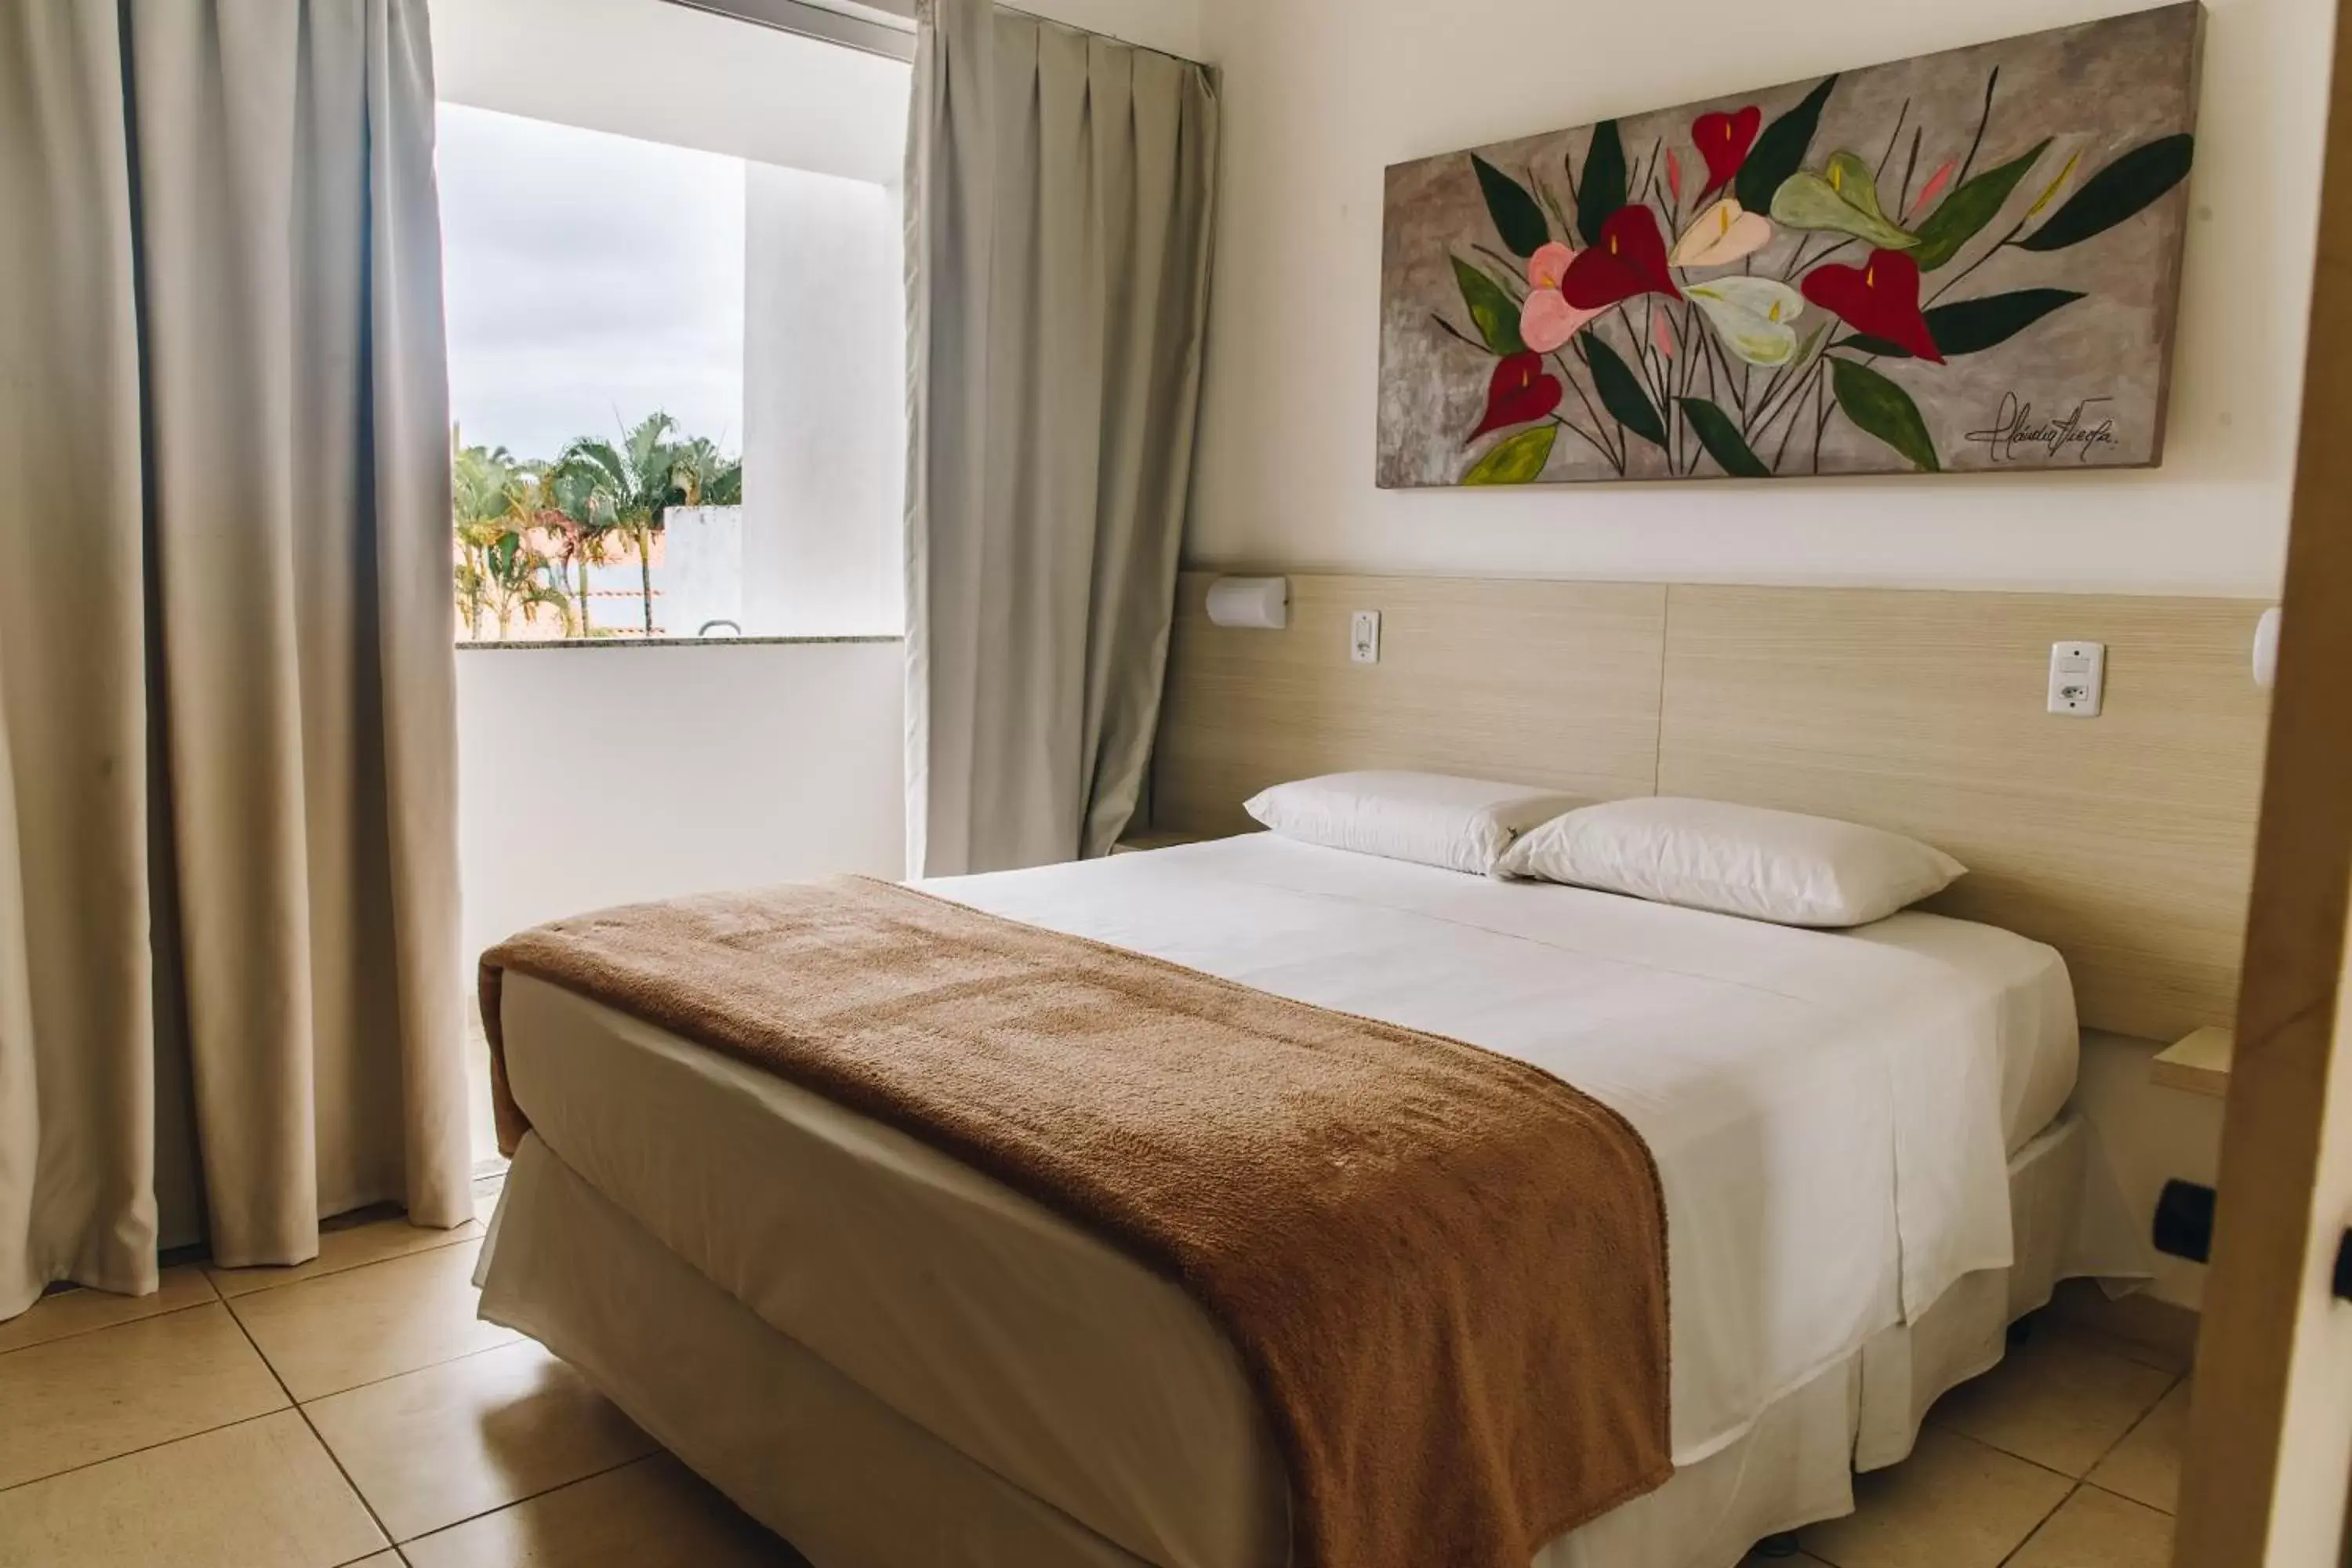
[2289, 1005]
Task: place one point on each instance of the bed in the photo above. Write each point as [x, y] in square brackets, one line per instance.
[890, 1358]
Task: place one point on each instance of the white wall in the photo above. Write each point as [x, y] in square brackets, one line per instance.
[1173, 25]
[824, 405]
[588, 776]
[1320, 95]
[667, 73]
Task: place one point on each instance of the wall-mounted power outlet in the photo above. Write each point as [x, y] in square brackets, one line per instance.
[1364, 637]
[2078, 677]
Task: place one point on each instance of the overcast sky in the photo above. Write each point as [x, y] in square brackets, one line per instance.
[591, 279]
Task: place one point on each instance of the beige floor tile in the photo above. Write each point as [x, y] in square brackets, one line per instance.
[78, 1311]
[77, 1401]
[2094, 1530]
[2061, 1399]
[652, 1514]
[431, 1447]
[340, 1330]
[261, 1494]
[1954, 1503]
[344, 1247]
[2146, 1466]
[2139, 1325]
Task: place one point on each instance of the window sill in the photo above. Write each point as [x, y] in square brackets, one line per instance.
[603, 644]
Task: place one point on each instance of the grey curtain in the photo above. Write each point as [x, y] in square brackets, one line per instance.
[1060, 195]
[228, 904]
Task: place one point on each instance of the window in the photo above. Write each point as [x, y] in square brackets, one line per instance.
[596, 304]
[676, 364]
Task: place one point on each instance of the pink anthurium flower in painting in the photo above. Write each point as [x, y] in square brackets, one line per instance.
[1547, 320]
[1934, 185]
[1662, 335]
[1724, 140]
[1721, 236]
[1520, 391]
[1630, 259]
[1674, 174]
[1549, 265]
[1880, 299]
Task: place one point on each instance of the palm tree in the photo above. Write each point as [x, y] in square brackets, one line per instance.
[479, 481]
[517, 577]
[706, 475]
[643, 476]
[572, 510]
[496, 512]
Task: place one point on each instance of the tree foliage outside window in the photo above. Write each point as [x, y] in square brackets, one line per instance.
[527, 531]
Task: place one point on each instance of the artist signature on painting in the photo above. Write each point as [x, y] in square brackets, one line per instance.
[2017, 426]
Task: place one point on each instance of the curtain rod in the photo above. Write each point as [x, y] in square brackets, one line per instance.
[862, 29]
[885, 27]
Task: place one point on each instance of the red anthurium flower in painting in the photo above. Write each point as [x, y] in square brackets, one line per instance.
[1630, 259]
[1879, 299]
[1520, 392]
[1723, 140]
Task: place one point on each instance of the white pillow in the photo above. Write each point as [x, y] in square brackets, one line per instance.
[1736, 859]
[1434, 818]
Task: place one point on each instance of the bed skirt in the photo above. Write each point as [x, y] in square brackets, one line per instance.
[853, 1484]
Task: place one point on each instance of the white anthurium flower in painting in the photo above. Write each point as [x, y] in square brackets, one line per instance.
[1721, 235]
[1752, 316]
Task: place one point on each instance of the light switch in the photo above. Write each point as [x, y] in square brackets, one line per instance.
[1364, 637]
[2078, 677]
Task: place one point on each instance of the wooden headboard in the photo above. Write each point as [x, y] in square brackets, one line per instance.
[2125, 841]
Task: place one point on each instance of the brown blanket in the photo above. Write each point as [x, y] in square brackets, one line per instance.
[1444, 1271]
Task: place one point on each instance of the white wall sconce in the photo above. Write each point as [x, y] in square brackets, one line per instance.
[1260, 602]
[2266, 644]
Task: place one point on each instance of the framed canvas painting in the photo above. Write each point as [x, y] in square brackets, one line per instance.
[1964, 261]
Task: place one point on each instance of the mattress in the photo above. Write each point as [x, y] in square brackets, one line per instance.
[1832, 1115]
[854, 1484]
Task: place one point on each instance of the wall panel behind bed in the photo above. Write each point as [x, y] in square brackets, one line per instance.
[1552, 683]
[2126, 841]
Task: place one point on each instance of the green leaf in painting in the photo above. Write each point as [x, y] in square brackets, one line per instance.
[1879, 407]
[1516, 218]
[1958, 217]
[1781, 150]
[1723, 441]
[1602, 189]
[2115, 193]
[1972, 326]
[1492, 310]
[1516, 460]
[1622, 394]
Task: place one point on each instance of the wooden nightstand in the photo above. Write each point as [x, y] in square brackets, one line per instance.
[2199, 1063]
[1141, 838]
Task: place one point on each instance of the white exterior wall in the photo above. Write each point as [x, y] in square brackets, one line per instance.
[700, 578]
[824, 405]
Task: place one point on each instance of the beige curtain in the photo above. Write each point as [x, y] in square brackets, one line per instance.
[227, 784]
[1060, 190]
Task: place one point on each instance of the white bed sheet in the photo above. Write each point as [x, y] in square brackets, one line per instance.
[1831, 1112]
